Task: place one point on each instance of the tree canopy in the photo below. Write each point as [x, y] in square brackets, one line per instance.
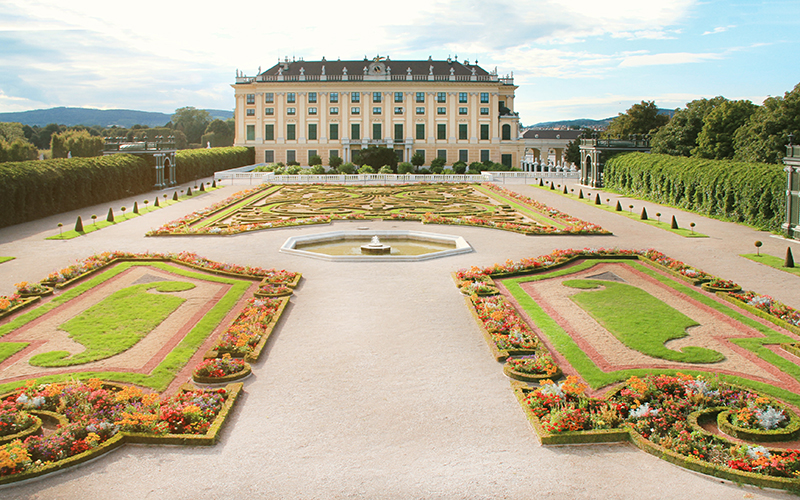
[765, 135]
[679, 136]
[377, 157]
[640, 119]
[192, 122]
[715, 140]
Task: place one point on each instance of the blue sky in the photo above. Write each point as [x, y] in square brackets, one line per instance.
[576, 59]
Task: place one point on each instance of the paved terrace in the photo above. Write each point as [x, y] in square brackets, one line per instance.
[378, 383]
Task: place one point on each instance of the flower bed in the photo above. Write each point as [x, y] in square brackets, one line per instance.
[273, 290]
[479, 288]
[101, 417]
[9, 304]
[676, 267]
[539, 366]
[768, 308]
[655, 412]
[249, 332]
[505, 332]
[720, 285]
[25, 289]
[220, 370]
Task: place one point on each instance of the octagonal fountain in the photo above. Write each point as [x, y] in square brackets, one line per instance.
[361, 246]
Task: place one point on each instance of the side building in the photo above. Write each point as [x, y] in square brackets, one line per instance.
[449, 109]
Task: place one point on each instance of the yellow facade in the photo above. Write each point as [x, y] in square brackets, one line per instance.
[300, 108]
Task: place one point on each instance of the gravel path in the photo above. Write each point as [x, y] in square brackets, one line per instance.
[378, 383]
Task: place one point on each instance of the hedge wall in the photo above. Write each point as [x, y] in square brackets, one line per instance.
[752, 193]
[196, 163]
[33, 189]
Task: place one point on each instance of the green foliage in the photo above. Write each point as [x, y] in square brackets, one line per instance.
[715, 140]
[752, 193]
[197, 163]
[218, 133]
[192, 122]
[459, 167]
[376, 157]
[315, 160]
[10, 132]
[78, 142]
[404, 168]
[764, 137]
[679, 136]
[417, 159]
[117, 323]
[347, 168]
[639, 320]
[335, 162]
[639, 119]
[30, 190]
[476, 167]
[438, 163]
[366, 169]
[18, 150]
[386, 169]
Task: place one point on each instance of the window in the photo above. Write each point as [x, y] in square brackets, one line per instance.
[441, 97]
[484, 131]
[463, 155]
[291, 97]
[251, 98]
[484, 111]
[355, 131]
[311, 152]
[421, 131]
[333, 153]
[312, 131]
[269, 111]
[398, 132]
[441, 131]
[462, 110]
[398, 110]
[355, 97]
[506, 160]
[484, 155]
[377, 110]
[376, 131]
[312, 111]
[269, 97]
[377, 96]
[462, 97]
[251, 112]
[290, 131]
[291, 156]
[441, 153]
[269, 132]
[462, 131]
[441, 111]
[484, 98]
[334, 132]
[251, 132]
[506, 132]
[291, 111]
[355, 110]
[398, 97]
[269, 156]
[334, 110]
[420, 110]
[334, 97]
[312, 97]
[420, 97]
[420, 152]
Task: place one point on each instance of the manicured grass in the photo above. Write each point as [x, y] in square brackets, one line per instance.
[236, 206]
[8, 349]
[117, 323]
[771, 261]
[639, 320]
[597, 378]
[6, 259]
[536, 216]
[164, 373]
[633, 215]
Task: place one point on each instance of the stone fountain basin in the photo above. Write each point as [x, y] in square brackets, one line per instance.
[458, 245]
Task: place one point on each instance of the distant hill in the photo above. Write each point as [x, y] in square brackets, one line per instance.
[103, 117]
[588, 123]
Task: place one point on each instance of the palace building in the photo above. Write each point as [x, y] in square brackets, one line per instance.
[450, 109]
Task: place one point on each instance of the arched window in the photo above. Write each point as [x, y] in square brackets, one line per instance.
[506, 132]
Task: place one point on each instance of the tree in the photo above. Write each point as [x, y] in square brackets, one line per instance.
[218, 133]
[334, 162]
[77, 142]
[315, 160]
[192, 122]
[18, 150]
[376, 157]
[640, 119]
[715, 140]
[438, 164]
[459, 167]
[405, 168]
[679, 136]
[418, 159]
[764, 137]
[42, 137]
[10, 132]
[347, 168]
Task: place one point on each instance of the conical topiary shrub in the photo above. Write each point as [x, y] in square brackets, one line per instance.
[202, 187]
[565, 189]
[175, 196]
[597, 199]
[136, 207]
[644, 214]
[552, 188]
[541, 182]
[580, 194]
[214, 184]
[155, 203]
[789, 260]
[674, 223]
[618, 207]
[110, 216]
[189, 192]
[79, 225]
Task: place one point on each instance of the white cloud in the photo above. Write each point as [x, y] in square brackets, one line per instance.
[667, 58]
[719, 29]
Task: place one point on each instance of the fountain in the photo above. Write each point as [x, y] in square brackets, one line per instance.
[375, 247]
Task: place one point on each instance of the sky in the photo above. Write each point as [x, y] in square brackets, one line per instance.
[576, 59]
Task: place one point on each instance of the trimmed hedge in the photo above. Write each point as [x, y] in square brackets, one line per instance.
[193, 164]
[751, 193]
[31, 190]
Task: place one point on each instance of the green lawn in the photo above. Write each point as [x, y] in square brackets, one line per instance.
[6, 259]
[772, 261]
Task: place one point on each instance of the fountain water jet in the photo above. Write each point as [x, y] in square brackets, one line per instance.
[375, 247]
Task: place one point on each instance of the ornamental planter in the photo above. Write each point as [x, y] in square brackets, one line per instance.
[714, 289]
[35, 428]
[47, 291]
[25, 303]
[242, 374]
[262, 295]
[291, 284]
[486, 292]
[788, 433]
[530, 377]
